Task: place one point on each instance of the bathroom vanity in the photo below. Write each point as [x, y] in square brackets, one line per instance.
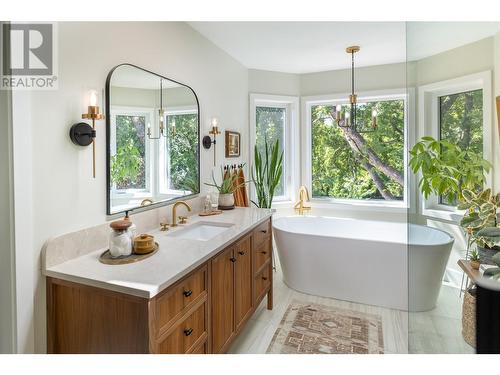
[193, 296]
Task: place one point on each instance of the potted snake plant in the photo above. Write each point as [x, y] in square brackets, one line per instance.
[266, 173]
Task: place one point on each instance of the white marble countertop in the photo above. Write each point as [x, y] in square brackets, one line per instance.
[175, 258]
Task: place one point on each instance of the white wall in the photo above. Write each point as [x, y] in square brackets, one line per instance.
[380, 77]
[275, 83]
[7, 275]
[54, 186]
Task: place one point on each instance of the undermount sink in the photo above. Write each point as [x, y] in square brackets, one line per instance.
[201, 231]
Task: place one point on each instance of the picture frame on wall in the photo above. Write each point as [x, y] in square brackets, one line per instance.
[233, 144]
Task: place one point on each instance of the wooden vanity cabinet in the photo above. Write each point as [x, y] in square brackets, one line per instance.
[201, 313]
[231, 297]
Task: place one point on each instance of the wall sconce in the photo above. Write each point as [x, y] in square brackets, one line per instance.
[207, 141]
[82, 134]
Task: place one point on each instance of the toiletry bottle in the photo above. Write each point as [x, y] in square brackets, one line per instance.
[208, 205]
[120, 243]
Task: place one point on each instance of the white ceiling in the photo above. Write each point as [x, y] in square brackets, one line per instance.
[304, 47]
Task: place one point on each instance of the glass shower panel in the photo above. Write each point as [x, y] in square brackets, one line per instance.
[449, 69]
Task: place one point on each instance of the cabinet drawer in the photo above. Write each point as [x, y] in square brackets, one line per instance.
[261, 254]
[186, 334]
[174, 301]
[262, 233]
[201, 349]
[262, 281]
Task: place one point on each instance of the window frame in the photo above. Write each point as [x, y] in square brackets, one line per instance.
[429, 124]
[343, 98]
[291, 147]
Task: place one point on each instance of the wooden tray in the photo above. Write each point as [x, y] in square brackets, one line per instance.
[106, 257]
[213, 212]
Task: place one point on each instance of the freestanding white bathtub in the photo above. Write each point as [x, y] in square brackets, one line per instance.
[386, 264]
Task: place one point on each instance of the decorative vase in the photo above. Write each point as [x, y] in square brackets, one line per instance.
[475, 264]
[226, 201]
[486, 254]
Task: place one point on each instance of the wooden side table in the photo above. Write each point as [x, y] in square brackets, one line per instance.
[471, 273]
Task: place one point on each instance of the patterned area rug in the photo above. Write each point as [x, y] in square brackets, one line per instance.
[317, 329]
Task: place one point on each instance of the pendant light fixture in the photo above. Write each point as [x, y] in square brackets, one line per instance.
[161, 117]
[349, 118]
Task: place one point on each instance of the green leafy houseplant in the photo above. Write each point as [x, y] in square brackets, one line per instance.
[481, 220]
[266, 174]
[126, 164]
[447, 169]
[494, 272]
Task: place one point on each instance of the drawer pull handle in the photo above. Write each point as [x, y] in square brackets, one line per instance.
[188, 331]
[232, 259]
[263, 231]
[187, 293]
[241, 252]
[264, 252]
[264, 278]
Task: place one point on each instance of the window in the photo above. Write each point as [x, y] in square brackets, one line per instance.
[131, 153]
[346, 164]
[274, 118]
[458, 111]
[180, 169]
[158, 169]
[270, 127]
[461, 123]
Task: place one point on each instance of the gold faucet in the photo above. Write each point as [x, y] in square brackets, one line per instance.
[303, 197]
[174, 213]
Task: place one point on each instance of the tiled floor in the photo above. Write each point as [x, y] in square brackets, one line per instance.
[259, 331]
[439, 330]
[436, 331]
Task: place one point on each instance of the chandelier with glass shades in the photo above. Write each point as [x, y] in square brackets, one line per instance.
[348, 117]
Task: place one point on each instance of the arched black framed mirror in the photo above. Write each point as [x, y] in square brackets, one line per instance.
[152, 138]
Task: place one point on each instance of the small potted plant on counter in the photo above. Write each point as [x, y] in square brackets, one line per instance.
[226, 189]
[482, 222]
[474, 259]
